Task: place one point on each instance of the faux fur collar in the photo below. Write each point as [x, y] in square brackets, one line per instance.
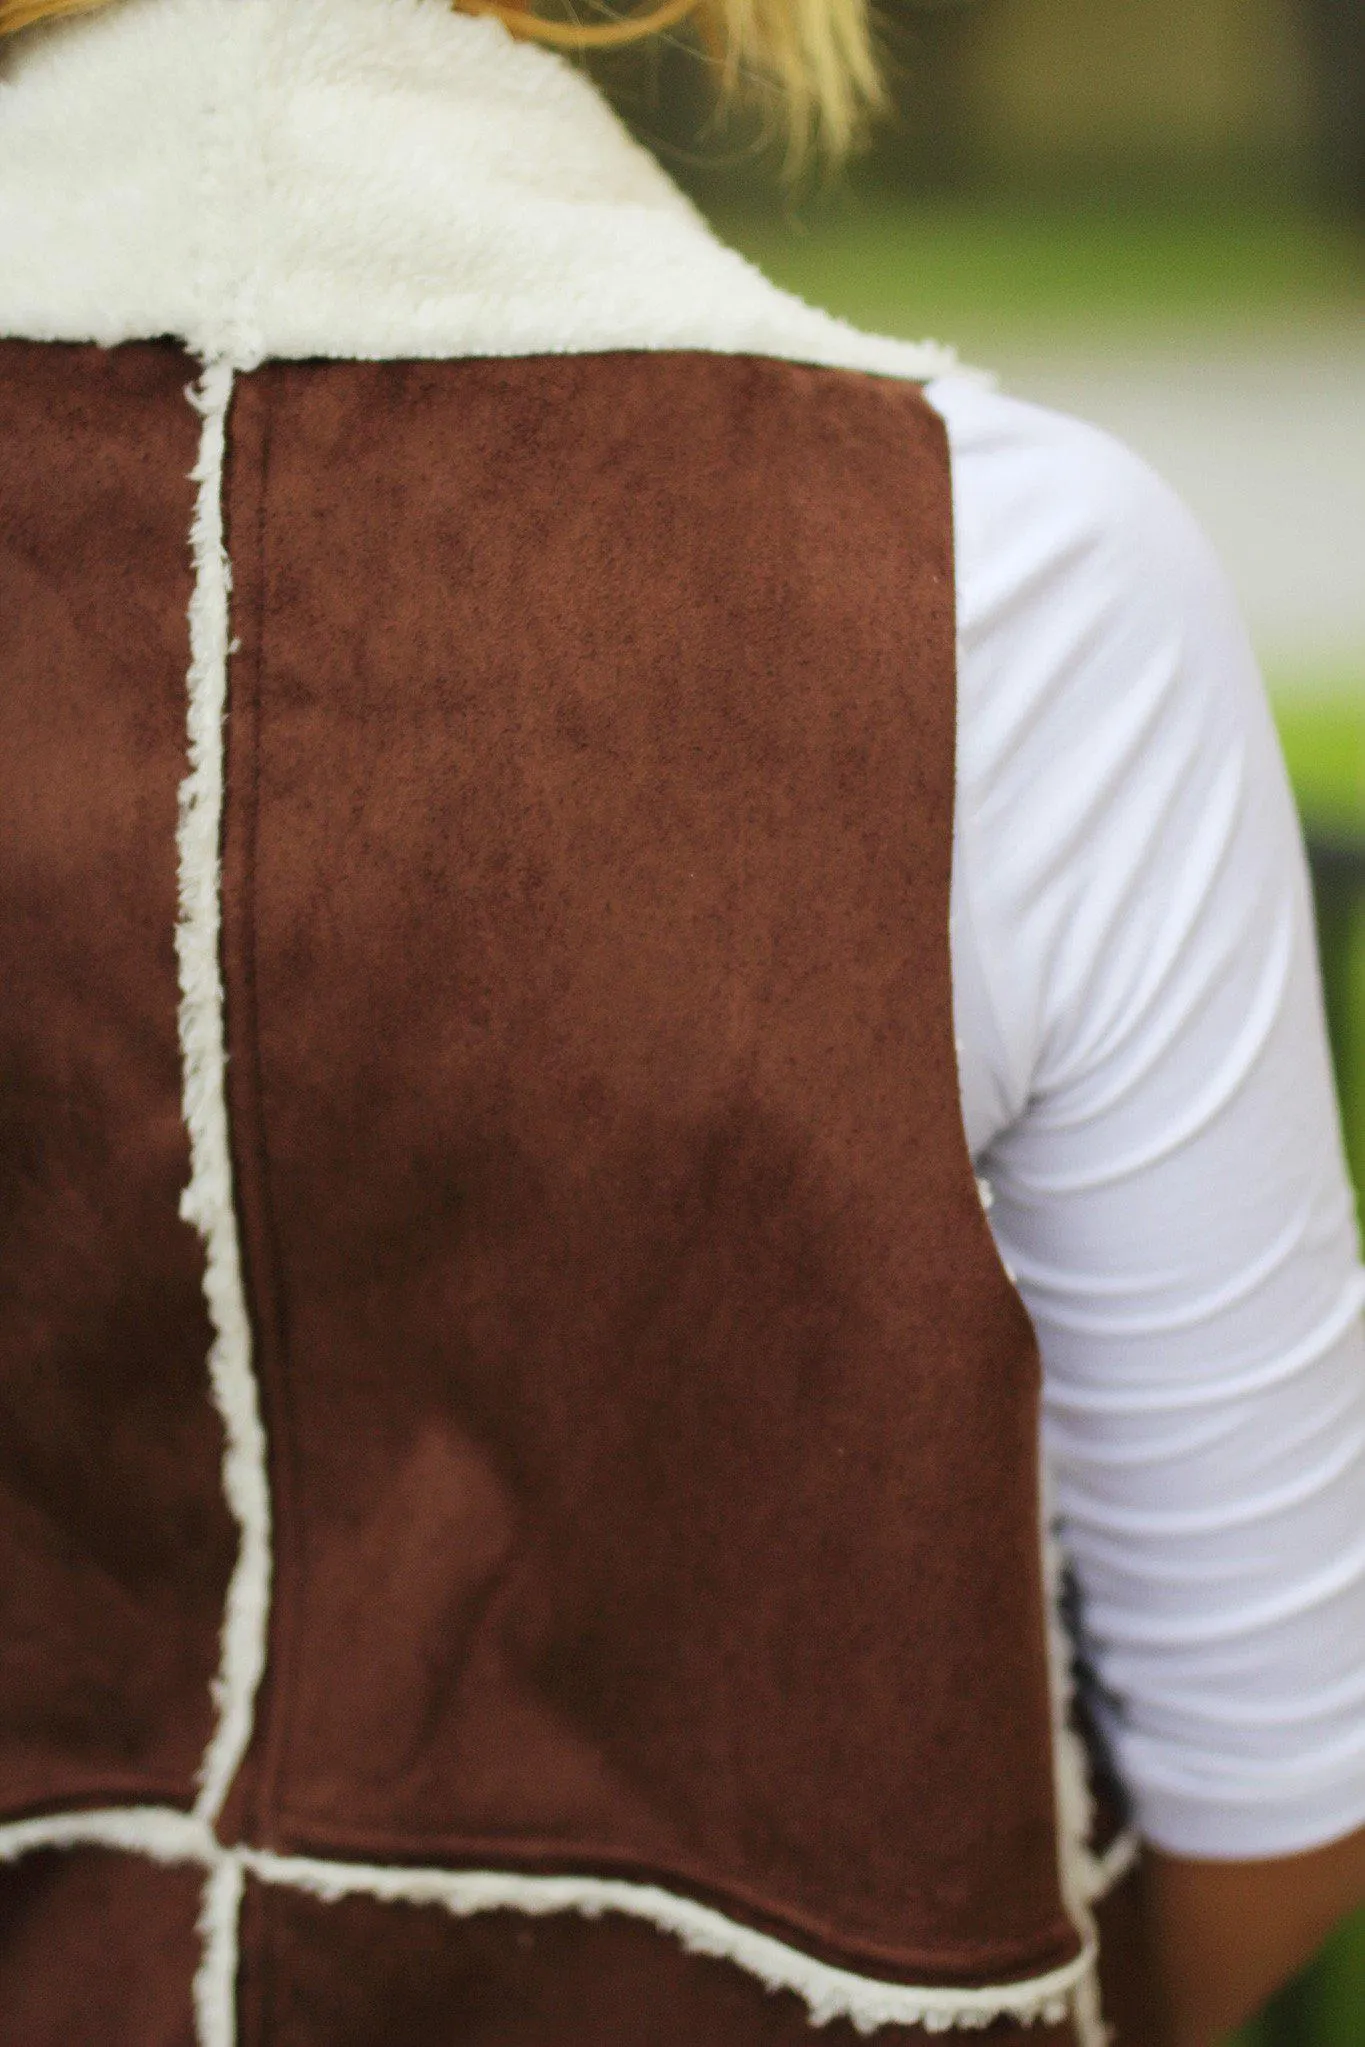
[364, 178]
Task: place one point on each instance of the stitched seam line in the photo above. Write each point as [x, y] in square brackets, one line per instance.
[827, 1991]
[273, 1375]
[207, 1201]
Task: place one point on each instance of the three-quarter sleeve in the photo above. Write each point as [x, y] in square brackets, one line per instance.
[1146, 1086]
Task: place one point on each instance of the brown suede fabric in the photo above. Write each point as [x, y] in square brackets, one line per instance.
[320, 1974]
[115, 1544]
[653, 1426]
[652, 1429]
[97, 1950]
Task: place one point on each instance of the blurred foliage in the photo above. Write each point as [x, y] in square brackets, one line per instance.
[1066, 267]
[1325, 2006]
[1323, 735]
[1007, 94]
[1322, 730]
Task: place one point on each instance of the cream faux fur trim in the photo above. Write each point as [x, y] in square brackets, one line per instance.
[827, 1992]
[208, 1200]
[1085, 1877]
[160, 1832]
[215, 1981]
[357, 178]
[168, 1836]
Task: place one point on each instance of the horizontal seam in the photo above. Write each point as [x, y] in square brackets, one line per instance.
[166, 1835]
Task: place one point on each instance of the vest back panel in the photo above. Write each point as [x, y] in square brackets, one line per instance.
[115, 1542]
[654, 1430]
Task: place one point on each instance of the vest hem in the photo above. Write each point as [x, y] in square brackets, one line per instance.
[791, 1924]
[868, 2003]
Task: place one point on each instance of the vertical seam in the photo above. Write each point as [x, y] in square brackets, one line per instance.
[214, 1990]
[1082, 1879]
[208, 1200]
[284, 1436]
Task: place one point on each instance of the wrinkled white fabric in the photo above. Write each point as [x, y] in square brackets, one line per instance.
[1146, 1087]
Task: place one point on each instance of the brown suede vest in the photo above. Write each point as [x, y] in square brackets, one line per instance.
[651, 1426]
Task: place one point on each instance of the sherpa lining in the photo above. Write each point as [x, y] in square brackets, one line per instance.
[358, 178]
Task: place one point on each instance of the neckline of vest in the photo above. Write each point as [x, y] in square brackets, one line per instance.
[363, 179]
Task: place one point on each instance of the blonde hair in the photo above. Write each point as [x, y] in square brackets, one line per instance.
[817, 53]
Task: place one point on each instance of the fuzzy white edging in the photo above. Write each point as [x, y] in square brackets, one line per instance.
[1113, 1864]
[207, 1201]
[215, 1981]
[827, 1992]
[1085, 1877]
[165, 1835]
[159, 1832]
[371, 179]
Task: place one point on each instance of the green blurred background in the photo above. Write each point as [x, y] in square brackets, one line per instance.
[1152, 214]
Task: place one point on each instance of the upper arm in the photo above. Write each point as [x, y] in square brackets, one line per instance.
[1145, 1073]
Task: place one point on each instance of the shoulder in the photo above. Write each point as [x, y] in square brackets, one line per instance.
[1093, 614]
[1046, 503]
[1112, 727]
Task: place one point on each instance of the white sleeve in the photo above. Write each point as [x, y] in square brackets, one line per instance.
[1146, 1084]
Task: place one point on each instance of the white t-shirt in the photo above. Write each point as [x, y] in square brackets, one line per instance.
[1146, 1087]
